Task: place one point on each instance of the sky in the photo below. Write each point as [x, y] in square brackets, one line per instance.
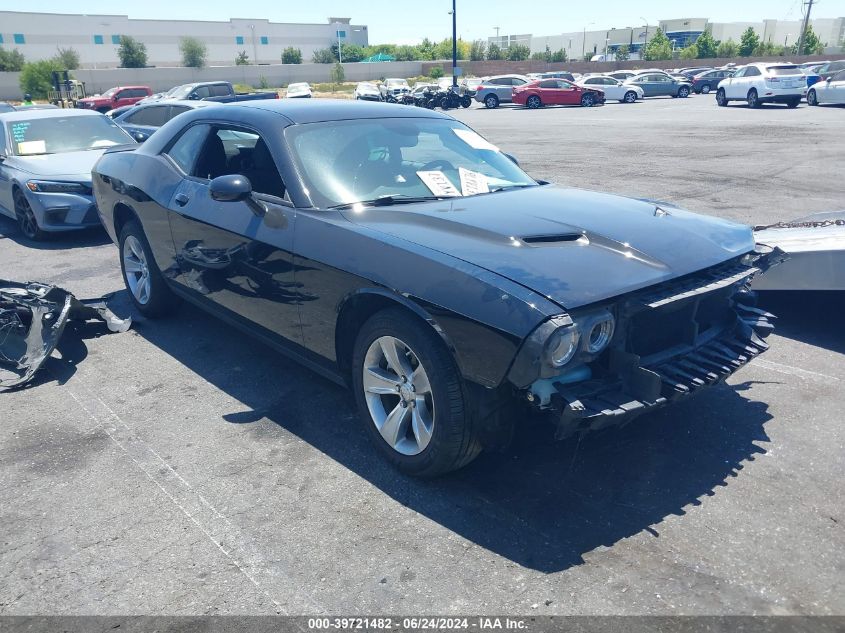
[408, 21]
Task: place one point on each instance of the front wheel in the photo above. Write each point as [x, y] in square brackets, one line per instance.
[445, 103]
[705, 89]
[143, 279]
[812, 98]
[588, 100]
[534, 102]
[410, 396]
[721, 99]
[491, 101]
[683, 92]
[27, 222]
[630, 97]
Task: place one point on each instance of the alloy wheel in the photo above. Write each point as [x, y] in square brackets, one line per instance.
[26, 217]
[812, 99]
[533, 102]
[630, 97]
[587, 100]
[705, 89]
[136, 269]
[398, 395]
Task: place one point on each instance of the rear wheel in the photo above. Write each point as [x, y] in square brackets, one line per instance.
[534, 102]
[588, 100]
[143, 279]
[410, 396]
[752, 99]
[812, 98]
[721, 99]
[27, 222]
[793, 103]
[466, 101]
[630, 97]
[705, 89]
[491, 101]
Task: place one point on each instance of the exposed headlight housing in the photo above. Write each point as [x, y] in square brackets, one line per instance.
[50, 186]
[600, 334]
[562, 346]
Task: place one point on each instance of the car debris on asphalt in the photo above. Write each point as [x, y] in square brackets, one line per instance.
[33, 317]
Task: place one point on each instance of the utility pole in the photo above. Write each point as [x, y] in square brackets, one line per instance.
[454, 46]
[809, 4]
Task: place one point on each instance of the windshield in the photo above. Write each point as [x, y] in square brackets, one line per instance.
[180, 92]
[396, 82]
[55, 135]
[298, 87]
[783, 70]
[344, 162]
[110, 92]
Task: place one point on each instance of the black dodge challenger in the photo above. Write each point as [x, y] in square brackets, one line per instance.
[397, 251]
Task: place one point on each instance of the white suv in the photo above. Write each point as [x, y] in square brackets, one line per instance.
[765, 82]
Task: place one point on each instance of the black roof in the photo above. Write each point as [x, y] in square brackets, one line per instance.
[318, 110]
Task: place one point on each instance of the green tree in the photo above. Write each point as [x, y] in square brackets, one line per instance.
[477, 50]
[351, 52]
[323, 56]
[37, 77]
[658, 47]
[690, 52]
[291, 55]
[338, 75]
[559, 55]
[539, 56]
[242, 59]
[132, 53]
[405, 53]
[727, 49]
[518, 53]
[494, 52]
[425, 50]
[194, 52]
[68, 58]
[748, 43]
[767, 49]
[706, 45]
[11, 61]
[622, 53]
[812, 44]
[443, 49]
[436, 72]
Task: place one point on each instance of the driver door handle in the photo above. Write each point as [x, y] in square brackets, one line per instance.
[182, 199]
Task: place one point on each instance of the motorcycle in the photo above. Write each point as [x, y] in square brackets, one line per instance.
[451, 98]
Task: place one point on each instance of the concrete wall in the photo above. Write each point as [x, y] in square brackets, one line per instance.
[262, 40]
[100, 80]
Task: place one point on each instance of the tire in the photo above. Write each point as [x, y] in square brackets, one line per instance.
[683, 92]
[721, 100]
[27, 222]
[445, 103]
[158, 300]
[434, 433]
[491, 101]
[533, 102]
[812, 98]
[705, 89]
[629, 97]
[752, 99]
[793, 103]
[466, 102]
[588, 100]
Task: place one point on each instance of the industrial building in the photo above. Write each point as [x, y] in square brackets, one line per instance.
[97, 37]
[681, 32]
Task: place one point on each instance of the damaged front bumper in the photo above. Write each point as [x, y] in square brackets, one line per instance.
[671, 341]
[33, 317]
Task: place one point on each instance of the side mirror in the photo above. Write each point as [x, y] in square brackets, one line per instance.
[193, 96]
[140, 136]
[828, 79]
[235, 188]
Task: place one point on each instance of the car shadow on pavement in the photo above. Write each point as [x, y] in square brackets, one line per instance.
[540, 504]
[54, 241]
[810, 317]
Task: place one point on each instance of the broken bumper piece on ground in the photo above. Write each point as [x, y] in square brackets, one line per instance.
[33, 317]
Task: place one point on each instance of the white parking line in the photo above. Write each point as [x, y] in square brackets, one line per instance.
[287, 596]
[793, 371]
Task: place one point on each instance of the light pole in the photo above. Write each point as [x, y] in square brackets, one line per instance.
[455, 45]
[606, 44]
[584, 41]
[645, 43]
[254, 47]
[497, 35]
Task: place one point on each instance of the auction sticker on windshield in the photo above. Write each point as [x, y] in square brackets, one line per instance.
[472, 182]
[32, 147]
[438, 183]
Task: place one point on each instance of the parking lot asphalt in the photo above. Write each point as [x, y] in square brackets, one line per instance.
[181, 468]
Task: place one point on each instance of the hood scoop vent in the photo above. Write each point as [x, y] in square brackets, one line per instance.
[553, 238]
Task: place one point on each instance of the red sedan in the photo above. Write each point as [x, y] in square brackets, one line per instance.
[555, 92]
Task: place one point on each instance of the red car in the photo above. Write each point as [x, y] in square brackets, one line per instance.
[115, 98]
[555, 92]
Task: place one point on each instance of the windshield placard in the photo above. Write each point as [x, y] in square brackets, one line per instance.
[32, 147]
[438, 183]
[473, 182]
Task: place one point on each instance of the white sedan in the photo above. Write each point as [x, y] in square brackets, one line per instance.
[613, 88]
[828, 91]
[299, 91]
[368, 91]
